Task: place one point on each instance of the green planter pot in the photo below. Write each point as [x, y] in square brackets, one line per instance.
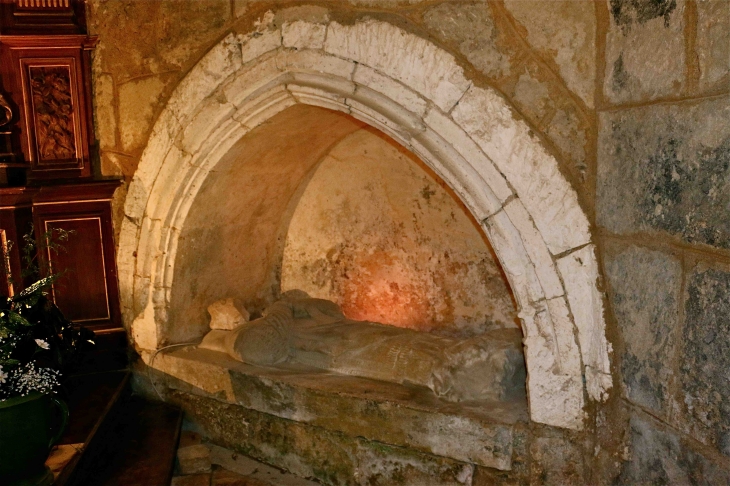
[29, 426]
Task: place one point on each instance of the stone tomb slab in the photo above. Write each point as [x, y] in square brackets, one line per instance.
[479, 433]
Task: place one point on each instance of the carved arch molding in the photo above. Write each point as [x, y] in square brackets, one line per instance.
[416, 93]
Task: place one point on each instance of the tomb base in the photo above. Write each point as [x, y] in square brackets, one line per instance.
[338, 429]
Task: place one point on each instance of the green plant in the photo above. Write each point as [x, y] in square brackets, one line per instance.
[36, 341]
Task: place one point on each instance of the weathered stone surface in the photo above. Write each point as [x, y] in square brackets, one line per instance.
[579, 271]
[315, 452]
[556, 460]
[645, 56]
[704, 357]
[104, 112]
[143, 38]
[660, 456]
[569, 132]
[471, 28]
[301, 35]
[532, 171]
[645, 287]
[365, 76]
[565, 32]
[667, 167]
[235, 464]
[520, 473]
[713, 43]
[532, 95]
[191, 480]
[414, 61]
[426, 268]
[138, 103]
[113, 164]
[193, 459]
[402, 416]
[227, 314]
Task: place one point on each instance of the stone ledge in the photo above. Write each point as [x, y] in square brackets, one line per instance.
[399, 415]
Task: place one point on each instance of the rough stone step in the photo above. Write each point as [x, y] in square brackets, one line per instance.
[228, 468]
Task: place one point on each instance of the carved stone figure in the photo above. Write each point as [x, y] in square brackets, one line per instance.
[227, 314]
[315, 333]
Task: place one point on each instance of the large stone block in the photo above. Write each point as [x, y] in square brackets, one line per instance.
[472, 29]
[378, 411]
[142, 38]
[704, 358]
[644, 290]
[645, 56]
[411, 60]
[661, 456]
[138, 104]
[667, 168]
[315, 452]
[713, 43]
[564, 31]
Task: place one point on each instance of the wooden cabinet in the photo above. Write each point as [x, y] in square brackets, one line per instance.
[47, 79]
[87, 291]
[46, 151]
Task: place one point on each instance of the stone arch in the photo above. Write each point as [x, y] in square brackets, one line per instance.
[416, 93]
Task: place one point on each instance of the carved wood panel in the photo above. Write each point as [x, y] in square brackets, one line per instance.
[88, 290]
[81, 292]
[44, 76]
[52, 121]
[53, 112]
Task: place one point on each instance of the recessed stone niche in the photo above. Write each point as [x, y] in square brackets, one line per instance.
[315, 200]
[378, 234]
[318, 201]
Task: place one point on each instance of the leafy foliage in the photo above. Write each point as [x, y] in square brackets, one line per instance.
[34, 334]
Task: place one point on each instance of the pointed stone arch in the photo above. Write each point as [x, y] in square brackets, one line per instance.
[416, 93]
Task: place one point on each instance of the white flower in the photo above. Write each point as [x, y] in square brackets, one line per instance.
[42, 344]
[2, 375]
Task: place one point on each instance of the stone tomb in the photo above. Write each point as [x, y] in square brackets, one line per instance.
[292, 416]
[291, 394]
[371, 234]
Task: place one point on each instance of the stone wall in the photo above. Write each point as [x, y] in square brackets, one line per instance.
[376, 233]
[146, 48]
[662, 200]
[632, 98]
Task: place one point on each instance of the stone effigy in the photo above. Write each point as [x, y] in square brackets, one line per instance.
[315, 333]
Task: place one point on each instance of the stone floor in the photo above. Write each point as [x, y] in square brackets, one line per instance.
[204, 464]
